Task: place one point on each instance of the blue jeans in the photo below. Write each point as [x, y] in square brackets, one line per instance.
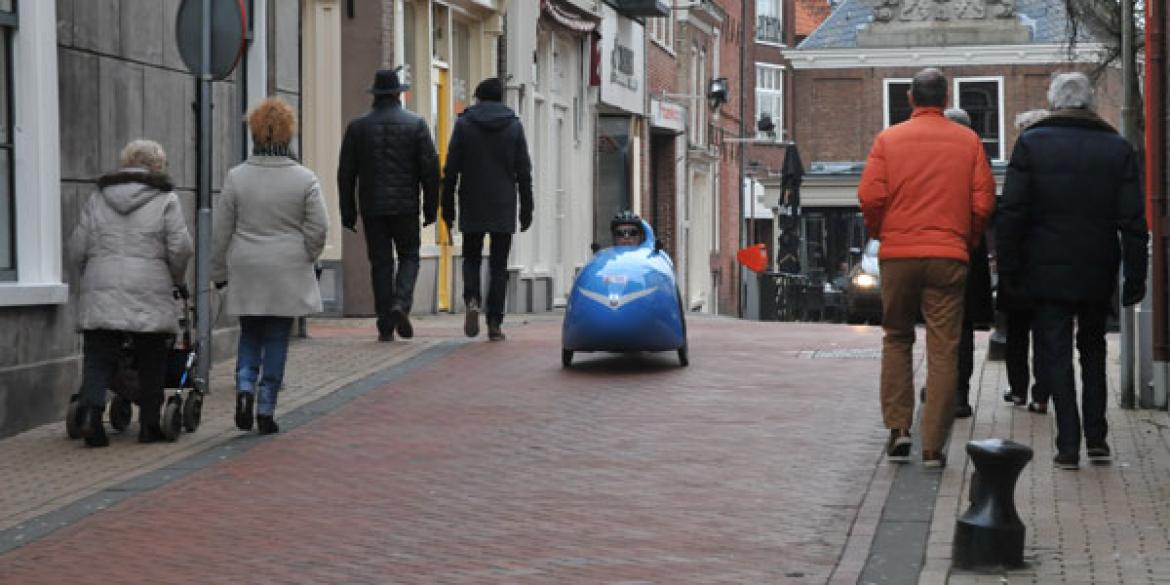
[262, 354]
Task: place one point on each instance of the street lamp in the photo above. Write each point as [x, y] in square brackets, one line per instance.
[717, 92]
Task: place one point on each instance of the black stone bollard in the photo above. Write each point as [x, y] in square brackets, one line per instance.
[990, 533]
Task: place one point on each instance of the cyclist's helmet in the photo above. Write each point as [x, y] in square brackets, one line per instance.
[626, 217]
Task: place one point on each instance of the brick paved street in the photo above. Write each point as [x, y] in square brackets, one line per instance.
[487, 463]
[493, 465]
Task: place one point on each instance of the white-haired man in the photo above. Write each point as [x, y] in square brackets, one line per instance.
[1072, 211]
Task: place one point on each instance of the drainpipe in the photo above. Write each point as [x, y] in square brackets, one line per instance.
[1156, 192]
[740, 286]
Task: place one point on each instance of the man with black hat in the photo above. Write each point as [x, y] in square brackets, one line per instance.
[487, 161]
[387, 155]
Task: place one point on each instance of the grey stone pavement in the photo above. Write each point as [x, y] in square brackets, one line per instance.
[1101, 524]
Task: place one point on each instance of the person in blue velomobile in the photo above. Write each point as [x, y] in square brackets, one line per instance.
[626, 298]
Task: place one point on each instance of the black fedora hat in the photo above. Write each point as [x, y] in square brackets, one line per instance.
[386, 83]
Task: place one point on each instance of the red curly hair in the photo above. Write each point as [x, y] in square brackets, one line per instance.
[273, 122]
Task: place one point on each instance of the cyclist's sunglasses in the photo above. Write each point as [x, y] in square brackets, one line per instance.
[627, 232]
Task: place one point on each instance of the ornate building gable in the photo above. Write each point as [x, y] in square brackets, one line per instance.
[940, 23]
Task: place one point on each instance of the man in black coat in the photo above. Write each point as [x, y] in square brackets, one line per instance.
[487, 160]
[388, 154]
[1072, 211]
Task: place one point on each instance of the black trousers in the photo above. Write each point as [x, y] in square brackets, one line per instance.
[393, 280]
[1053, 330]
[501, 244]
[1019, 336]
[102, 349]
[966, 362]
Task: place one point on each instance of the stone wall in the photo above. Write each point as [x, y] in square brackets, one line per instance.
[121, 78]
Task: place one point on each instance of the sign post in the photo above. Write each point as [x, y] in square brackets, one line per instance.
[210, 34]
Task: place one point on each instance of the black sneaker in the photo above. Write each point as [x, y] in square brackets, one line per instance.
[92, 429]
[244, 404]
[266, 425]
[1099, 452]
[385, 329]
[471, 319]
[1067, 461]
[898, 447]
[402, 323]
[495, 333]
[963, 411]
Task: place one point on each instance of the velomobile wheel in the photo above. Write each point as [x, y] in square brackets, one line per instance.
[172, 418]
[121, 411]
[193, 411]
[73, 415]
[683, 358]
[566, 358]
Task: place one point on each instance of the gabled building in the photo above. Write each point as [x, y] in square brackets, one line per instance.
[852, 73]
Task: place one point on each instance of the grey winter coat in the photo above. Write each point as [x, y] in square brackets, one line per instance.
[270, 226]
[132, 247]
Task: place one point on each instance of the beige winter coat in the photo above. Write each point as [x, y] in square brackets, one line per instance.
[131, 246]
[270, 225]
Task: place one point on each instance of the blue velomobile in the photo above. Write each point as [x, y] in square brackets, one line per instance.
[626, 299]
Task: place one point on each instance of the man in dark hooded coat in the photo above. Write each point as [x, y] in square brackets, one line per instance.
[488, 163]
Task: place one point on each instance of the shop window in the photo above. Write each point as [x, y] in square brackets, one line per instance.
[461, 82]
[982, 99]
[769, 21]
[770, 96]
[612, 193]
[897, 102]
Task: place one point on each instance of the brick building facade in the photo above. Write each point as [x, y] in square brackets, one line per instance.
[850, 77]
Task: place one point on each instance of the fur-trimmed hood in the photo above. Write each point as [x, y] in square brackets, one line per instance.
[128, 189]
[1074, 118]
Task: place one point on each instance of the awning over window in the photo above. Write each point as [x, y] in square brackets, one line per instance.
[567, 18]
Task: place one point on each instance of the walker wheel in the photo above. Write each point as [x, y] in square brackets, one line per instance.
[566, 358]
[172, 419]
[193, 411]
[683, 357]
[121, 411]
[73, 416]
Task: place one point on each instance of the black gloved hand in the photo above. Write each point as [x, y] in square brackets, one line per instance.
[525, 221]
[449, 219]
[181, 292]
[219, 285]
[1132, 292]
[428, 220]
[349, 223]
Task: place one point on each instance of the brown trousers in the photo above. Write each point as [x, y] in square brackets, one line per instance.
[934, 286]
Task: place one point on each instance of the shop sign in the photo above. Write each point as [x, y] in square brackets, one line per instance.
[623, 62]
[668, 116]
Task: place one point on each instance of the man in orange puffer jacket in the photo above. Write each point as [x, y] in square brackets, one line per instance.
[926, 193]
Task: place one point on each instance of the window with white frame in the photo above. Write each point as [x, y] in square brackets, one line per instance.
[896, 101]
[698, 94]
[769, 21]
[662, 30]
[770, 97]
[30, 184]
[982, 98]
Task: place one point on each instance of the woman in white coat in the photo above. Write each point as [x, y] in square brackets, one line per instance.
[131, 248]
[270, 226]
